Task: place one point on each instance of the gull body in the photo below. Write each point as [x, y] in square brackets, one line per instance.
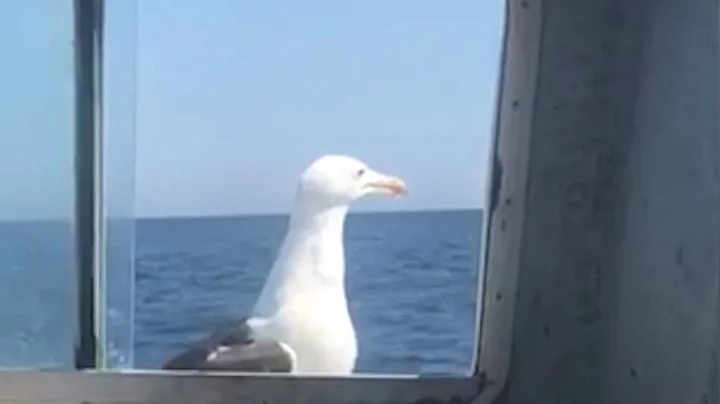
[300, 322]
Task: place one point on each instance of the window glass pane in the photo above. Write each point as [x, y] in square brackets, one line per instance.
[236, 99]
[37, 277]
[119, 175]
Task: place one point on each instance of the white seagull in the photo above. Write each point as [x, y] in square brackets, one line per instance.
[300, 323]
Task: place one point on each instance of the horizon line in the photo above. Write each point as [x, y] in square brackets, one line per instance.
[249, 214]
[260, 214]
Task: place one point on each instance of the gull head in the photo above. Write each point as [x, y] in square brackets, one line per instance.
[336, 180]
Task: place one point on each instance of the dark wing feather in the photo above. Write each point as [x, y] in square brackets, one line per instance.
[234, 348]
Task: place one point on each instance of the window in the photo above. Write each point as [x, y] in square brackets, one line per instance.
[226, 126]
[119, 106]
[36, 184]
[145, 280]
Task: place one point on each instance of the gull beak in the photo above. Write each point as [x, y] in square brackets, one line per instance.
[386, 184]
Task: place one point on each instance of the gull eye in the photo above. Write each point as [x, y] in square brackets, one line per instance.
[360, 172]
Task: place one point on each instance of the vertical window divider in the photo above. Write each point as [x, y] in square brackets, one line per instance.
[89, 226]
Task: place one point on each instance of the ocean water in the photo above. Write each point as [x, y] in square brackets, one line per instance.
[411, 282]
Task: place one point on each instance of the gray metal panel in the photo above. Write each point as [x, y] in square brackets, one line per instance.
[507, 210]
[617, 294]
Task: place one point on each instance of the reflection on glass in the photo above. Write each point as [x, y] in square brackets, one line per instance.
[235, 99]
[119, 176]
[37, 277]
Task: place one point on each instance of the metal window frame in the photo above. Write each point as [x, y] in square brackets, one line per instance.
[495, 314]
[88, 224]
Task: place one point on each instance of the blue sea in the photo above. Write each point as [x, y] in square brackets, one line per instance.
[411, 282]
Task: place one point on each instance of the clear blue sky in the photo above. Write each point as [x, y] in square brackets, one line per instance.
[235, 98]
